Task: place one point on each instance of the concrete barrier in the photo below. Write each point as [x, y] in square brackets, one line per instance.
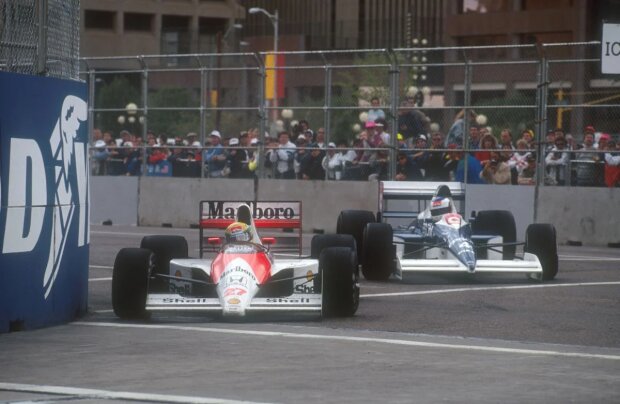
[588, 215]
[114, 199]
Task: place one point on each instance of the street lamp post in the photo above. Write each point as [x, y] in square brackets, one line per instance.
[274, 21]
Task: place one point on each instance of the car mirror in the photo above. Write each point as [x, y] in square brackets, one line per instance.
[268, 240]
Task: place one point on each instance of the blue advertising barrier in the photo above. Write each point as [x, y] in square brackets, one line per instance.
[44, 200]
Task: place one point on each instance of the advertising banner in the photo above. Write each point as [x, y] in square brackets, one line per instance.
[44, 188]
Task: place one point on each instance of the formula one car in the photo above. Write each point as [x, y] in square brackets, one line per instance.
[243, 276]
[439, 239]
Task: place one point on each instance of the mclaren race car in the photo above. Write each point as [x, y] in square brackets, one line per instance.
[439, 239]
[243, 276]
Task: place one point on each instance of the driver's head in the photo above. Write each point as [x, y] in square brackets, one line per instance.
[238, 231]
[439, 206]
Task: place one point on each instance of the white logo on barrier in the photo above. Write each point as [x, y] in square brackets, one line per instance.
[27, 176]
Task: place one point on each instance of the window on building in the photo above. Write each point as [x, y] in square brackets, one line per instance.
[138, 22]
[98, 19]
[211, 26]
[175, 34]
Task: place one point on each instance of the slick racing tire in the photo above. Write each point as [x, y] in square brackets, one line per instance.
[164, 248]
[130, 279]
[354, 222]
[540, 240]
[322, 241]
[340, 291]
[501, 223]
[379, 252]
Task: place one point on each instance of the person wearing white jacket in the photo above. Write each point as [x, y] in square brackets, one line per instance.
[284, 157]
[557, 162]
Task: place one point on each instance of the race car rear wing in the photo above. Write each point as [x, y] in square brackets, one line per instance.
[274, 219]
[405, 199]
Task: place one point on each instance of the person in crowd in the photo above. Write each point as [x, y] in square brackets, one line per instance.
[238, 160]
[312, 166]
[612, 164]
[518, 160]
[437, 163]
[380, 131]
[304, 127]
[406, 170]
[333, 162]
[528, 136]
[505, 139]
[133, 156]
[527, 176]
[557, 161]
[300, 153]
[375, 112]
[603, 139]
[283, 157]
[457, 130]
[571, 143]
[320, 138]
[484, 154]
[496, 170]
[157, 159]
[419, 154]
[585, 161]
[474, 138]
[411, 122]
[549, 141]
[379, 165]
[400, 142]
[473, 167]
[215, 156]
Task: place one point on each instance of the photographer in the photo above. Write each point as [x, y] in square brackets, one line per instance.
[495, 170]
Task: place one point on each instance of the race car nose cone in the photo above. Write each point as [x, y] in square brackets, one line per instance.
[471, 267]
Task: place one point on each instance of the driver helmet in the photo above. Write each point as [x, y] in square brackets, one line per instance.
[238, 231]
[440, 206]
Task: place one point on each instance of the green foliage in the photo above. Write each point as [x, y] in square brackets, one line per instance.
[515, 119]
[173, 122]
[119, 92]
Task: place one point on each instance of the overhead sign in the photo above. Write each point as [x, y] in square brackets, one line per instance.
[610, 49]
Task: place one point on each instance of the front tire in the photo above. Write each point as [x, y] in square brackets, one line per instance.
[379, 252]
[130, 279]
[340, 290]
[540, 240]
[164, 248]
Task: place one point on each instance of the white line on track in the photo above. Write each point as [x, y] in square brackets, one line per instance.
[100, 266]
[94, 394]
[475, 289]
[341, 338]
[586, 258]
[99, 279]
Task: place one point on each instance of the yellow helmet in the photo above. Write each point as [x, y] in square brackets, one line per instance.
[238, 231]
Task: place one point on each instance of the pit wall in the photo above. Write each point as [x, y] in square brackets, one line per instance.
[589, 215]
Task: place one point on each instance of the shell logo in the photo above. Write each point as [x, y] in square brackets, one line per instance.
[234, 300]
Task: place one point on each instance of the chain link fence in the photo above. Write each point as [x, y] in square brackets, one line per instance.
[462, 93]
[40, 37]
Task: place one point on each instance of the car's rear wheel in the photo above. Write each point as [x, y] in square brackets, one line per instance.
[354, 222]
[322, 241]
[379, 252]
[164, 248]
[501, 223]
[130, 276]
[540, 240]
[340, 290]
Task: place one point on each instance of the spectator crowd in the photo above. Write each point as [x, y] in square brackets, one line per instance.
[590, 159]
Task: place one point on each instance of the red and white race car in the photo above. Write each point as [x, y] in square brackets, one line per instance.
[244, 276]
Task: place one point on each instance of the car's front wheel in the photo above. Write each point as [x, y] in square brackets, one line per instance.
[340, 290]
[540, 240]
[130, 278]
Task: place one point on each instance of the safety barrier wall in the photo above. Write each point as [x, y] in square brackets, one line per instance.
[581, 214]
[44, 223]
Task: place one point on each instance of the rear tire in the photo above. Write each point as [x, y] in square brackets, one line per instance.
[354, 222]
[322, 241]
[130, 279]
[379, 252]
[340, 290]
[540, 240]
[164, 248]
[499, 222]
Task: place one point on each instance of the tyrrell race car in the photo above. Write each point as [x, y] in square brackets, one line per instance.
[439, 239]
[243, 276]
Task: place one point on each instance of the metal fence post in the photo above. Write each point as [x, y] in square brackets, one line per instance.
[394, 101]
[91, 103]
[466, 112]
[203, 119]
[541, 123]
[145, 92]
[42, 45]
[261, 116]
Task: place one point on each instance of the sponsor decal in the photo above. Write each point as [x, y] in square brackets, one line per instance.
[234, 301]
[260, 210]
[235, 292]
[304, 288]
[453, 219]
[181, 289]
[287, 300]
[309, 276]
[28, 185]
